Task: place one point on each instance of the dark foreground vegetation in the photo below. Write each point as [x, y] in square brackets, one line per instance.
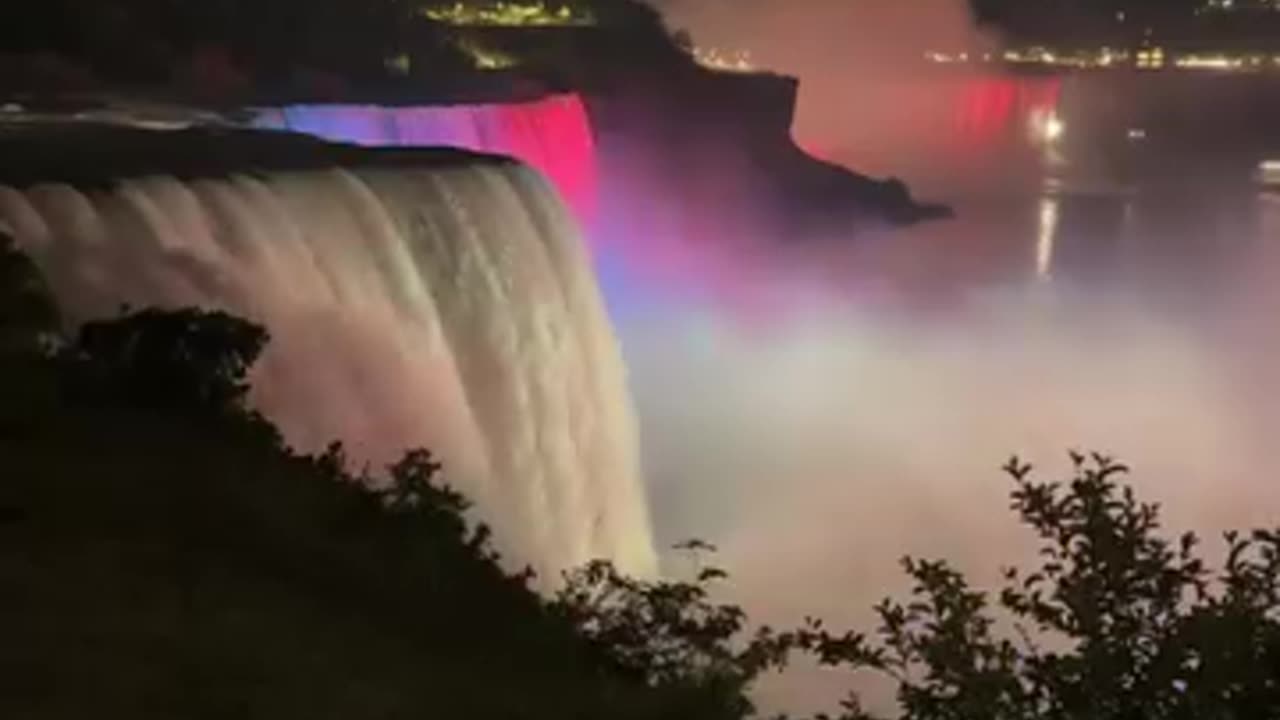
[163, 554]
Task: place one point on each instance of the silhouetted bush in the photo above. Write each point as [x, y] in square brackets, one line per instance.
[1115, 622]
[183, 360]
[29, 318]
[669, 636]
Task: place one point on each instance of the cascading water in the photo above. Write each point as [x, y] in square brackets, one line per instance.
[552, 134]
[447, 305]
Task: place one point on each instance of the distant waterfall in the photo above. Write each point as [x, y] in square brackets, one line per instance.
[448, 306]
[552, 134]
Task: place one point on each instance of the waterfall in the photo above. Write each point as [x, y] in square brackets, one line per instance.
[552, 134]
[447, 304]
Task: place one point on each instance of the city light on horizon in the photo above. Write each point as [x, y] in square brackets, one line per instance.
[1147, 58]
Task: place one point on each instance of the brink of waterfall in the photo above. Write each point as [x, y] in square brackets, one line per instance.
[415, 298]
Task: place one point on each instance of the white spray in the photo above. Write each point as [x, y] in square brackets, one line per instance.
[451, 307]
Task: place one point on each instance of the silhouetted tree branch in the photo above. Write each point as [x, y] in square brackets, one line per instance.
[186, 360]
[1115, 622]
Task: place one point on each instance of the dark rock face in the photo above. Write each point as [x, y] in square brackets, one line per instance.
[717, 142]
[720, 145]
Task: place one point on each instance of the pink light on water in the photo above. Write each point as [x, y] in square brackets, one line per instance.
[991, 110]
[552, 134]
[940, 131]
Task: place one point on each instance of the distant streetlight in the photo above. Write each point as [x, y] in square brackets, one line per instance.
[1054, 128]
[1046, 127]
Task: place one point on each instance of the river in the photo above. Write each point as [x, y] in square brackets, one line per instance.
[818, 409]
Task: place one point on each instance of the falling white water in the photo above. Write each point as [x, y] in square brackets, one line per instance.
[449, 307]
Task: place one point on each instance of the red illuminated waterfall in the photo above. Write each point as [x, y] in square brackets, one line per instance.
[991, 108]
[552, 134]
[938, 130]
